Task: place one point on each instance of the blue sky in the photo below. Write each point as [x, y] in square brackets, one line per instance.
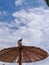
[27, 19]
[7, 7]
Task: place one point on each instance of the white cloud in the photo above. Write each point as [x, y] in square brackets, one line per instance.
[3, 13]
[37, 22]
[39, 3]
[19, 2]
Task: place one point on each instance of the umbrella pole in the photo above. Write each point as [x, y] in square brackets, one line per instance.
[20, 57]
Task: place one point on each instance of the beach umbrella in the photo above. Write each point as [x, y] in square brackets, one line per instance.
[22, 54]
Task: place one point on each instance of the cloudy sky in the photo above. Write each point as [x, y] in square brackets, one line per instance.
[27, 19]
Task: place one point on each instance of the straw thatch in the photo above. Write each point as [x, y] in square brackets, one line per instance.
[28, 54]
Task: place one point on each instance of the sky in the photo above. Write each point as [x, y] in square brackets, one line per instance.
[27, 19]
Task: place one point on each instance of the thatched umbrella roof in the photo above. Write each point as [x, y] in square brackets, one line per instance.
[22, 54]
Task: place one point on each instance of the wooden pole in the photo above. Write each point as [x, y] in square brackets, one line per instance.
[20, 51]
[20, 57]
